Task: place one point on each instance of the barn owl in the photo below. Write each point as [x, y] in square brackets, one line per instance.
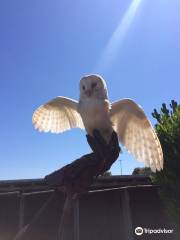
[94, 111]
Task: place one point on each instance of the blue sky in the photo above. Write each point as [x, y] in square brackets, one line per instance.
[47, 46]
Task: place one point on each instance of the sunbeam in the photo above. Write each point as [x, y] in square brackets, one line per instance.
[118, 36]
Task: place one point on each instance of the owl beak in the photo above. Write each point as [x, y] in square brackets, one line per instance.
[88, 93]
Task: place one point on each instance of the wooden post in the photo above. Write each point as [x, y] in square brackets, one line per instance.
[21, 212]
[76, 219]
[126, 211]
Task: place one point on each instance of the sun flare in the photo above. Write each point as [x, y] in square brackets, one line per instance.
[118, 36]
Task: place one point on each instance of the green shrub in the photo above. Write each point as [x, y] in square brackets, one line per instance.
[168, 131]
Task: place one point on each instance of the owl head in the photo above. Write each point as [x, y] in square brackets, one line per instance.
[93, 86]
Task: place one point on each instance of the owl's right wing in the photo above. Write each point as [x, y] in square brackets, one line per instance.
[58, 115]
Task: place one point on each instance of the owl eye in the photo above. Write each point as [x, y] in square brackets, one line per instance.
[93, 85]
[83, 87]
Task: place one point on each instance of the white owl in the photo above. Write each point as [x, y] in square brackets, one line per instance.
[94, 111]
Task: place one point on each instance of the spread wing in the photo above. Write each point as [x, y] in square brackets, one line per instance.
[136, 133]
[58, 115]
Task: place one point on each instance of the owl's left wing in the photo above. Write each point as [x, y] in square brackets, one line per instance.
[136, 133]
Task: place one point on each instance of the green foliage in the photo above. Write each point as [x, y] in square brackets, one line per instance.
[106, 174]
[142, 171]
[168, 131]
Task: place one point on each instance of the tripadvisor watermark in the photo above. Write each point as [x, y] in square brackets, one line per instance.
[139, 231]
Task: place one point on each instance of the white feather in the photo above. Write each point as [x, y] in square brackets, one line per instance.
[136, 133]
[58, 115]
